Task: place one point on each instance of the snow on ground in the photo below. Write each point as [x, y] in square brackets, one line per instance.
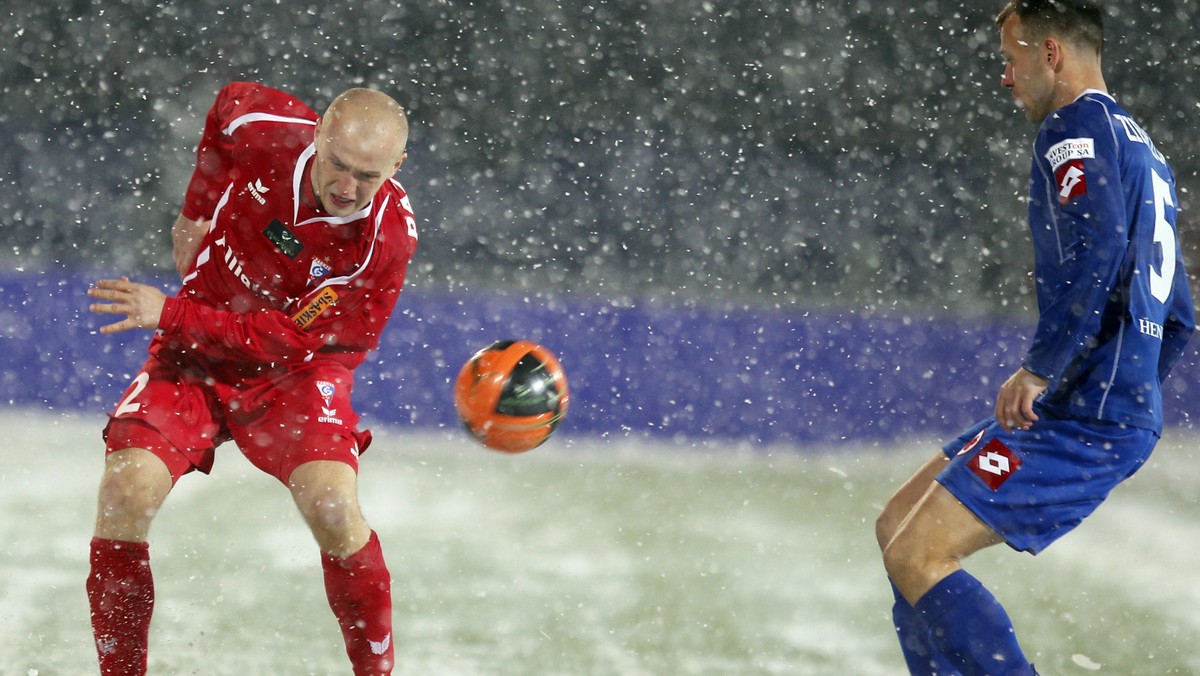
[585, 556]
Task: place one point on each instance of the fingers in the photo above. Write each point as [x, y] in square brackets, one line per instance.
[1014, 410]
[120, 298]
[141, 304]
[123, 325]
[122, 284]
[121, 294]
[1028, 413]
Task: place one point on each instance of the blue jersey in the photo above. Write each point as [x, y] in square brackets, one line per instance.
[1115, 308]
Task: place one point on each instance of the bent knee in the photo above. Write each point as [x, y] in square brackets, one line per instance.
[131, 492]
[885, 529]
[329, 512]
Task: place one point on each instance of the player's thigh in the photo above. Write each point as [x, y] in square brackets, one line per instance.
[906, 498]
[939, 532]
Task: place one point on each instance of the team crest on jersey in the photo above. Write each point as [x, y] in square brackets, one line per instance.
[329, 414]
[327, 390]
[994, 464]
[317, 269]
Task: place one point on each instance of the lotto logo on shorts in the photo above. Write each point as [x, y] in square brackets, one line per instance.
[994, 464]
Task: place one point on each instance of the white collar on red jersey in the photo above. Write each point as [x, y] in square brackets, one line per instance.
[298, 186]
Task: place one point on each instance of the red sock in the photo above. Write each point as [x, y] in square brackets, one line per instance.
[360, 593]
[120, 591]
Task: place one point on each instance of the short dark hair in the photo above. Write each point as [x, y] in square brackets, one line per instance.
[1078, 21]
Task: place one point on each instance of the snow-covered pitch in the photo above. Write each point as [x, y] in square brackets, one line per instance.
[585, 556]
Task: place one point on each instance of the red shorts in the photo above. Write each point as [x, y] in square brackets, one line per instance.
[279, 421]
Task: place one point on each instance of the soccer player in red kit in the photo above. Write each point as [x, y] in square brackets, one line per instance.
[292, 243]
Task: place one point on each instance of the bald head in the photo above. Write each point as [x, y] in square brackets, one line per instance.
[360, 143]
[371, 117]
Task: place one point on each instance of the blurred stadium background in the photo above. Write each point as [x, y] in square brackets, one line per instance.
[860, 155]
[805, 219]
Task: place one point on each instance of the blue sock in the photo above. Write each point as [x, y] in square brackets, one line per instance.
[919, 654]
[969, 626]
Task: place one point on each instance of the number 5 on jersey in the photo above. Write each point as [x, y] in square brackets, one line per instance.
[1164, 236]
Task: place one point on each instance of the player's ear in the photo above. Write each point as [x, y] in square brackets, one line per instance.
[317, 129]
[402, 158]
[1052, 52]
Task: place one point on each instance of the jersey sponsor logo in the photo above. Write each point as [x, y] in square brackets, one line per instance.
[238, 268]
[1071, 181]
[283, 239]
[994, 464]
[257, 189]
[1152, 329]
[314, 308]
[1070, 149]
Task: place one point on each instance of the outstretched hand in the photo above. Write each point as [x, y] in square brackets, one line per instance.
[142, 305]
[1014, 403]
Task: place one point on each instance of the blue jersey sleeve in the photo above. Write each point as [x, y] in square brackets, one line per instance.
[1080, 236]
[1179, 326]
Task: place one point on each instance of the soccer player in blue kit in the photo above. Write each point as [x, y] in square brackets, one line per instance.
[1084, 411]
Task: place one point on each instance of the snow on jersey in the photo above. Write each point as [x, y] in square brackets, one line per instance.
[274, 278]
[1115, 308]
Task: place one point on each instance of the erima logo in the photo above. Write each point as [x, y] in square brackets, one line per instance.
[106, 645]
[257, 189]
[380, 647]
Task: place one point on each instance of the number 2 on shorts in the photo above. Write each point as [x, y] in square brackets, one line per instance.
[127, 404]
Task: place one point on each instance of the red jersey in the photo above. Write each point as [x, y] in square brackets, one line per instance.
[276, 280]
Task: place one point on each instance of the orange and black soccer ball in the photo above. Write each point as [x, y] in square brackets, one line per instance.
[511, 395]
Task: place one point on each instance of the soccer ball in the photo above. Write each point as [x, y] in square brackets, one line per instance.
[511, 395]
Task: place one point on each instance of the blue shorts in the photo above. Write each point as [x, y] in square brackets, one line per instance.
[1032, 487]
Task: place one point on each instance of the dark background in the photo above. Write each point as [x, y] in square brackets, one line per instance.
[856, 155]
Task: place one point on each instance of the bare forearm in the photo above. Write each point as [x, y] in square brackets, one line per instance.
[185, 240]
